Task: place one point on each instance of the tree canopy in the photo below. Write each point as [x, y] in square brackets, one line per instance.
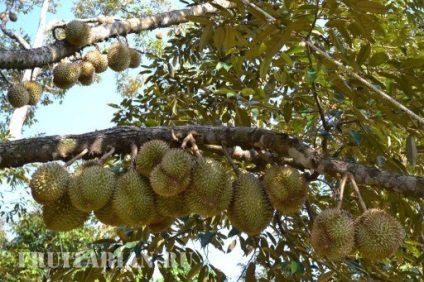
[330, 88]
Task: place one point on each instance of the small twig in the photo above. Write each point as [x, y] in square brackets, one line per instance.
[230, 160]
[355, 187]
[341, 191]
[5, 78]
[134, 152]
[191, 138]
[266, 158]
[253, 6]
[309, 210]
[107, 154]
[14, 35]
[174, 137]
[77, 157]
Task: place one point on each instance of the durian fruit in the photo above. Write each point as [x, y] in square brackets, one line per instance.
[85, 165]
[286, 189]
[177, 163]
[333, 233]
[65, 75]
[166, 185]
[13, 17]
[63, 216]
[150, 155]
[49, 183]
[92, 189]
[135, 58]
[118, 56]
[250, 210]
[88, 73]
[210, 190]
[378, 234]
[175, 206]
[77, 33]
[98, 60]
[134, 199]
[18, 96]
[35, 91]
[108, 215]
[160, 223]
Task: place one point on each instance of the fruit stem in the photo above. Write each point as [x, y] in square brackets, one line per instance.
[190, 138]
[230, 160]
[355, 187]
[341, 191]
[107, 155]
[134, 152]
[79, 156]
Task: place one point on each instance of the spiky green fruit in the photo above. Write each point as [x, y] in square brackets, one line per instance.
[92, 189]
[175, 206]
[108, 215]
[286, 188]
[18, 95]
[49, 183]
[98, 60]
[88, 73]
[118, 56]
[63, 216]
[65, 75]
[85, 165]
[210, 190]
[160, 223]
[378, 234]
[150, 155]
[135, 58]
[77, 33]
[250, 210]
[177, 163]
[35, 90]
[166, 185]
[134, 199]
[333, 233]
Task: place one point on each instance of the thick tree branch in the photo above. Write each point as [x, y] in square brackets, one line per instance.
[43, 149]
[37, 57]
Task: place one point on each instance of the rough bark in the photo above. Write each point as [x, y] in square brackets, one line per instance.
[44, 149]
[38, 57]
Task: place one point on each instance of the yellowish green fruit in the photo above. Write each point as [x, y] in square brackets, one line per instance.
[65, 75]
[98, 60]
[175, 206]
[166, 185]
[134, 199]
[333, 233]
[250, 210]
[49, 183]
[63, 216]
[210, 190]
[160, 223]
[135, 58]
[150, 155]
[77, 33]
[118, 56]
[107, 215]
[85, 165]
[177, 163]
[378, 234]
[92, 189]
[286, 189]
[35, 91]
[18, 95]
[88, 73]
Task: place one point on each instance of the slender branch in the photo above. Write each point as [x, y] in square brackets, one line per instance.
[77, 157]
[15, 36]
[355, 187]
[230, 160]
[341, 191]
[5, 78]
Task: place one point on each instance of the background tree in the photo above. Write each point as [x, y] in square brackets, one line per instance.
[328, 87]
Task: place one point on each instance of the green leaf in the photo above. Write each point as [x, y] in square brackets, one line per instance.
[250, 272]
[378, 59]
[411, 151]
[287, 111]
[413, 63]
[363, 54]
[247, 91]
[231, 246]
[357, 137]
[371, 7]
[206, 36]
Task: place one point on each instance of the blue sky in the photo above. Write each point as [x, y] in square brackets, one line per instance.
[85, 109]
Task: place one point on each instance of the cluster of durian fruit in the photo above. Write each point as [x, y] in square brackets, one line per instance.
[66, 74]
[166, 183]
[119, 58]
[375, 234]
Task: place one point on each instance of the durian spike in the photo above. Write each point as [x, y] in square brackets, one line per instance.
[191, 138]
[341, 191]
[107, 154]
[77, 157]
[355, 187]
[230, 160]
[134, 153]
